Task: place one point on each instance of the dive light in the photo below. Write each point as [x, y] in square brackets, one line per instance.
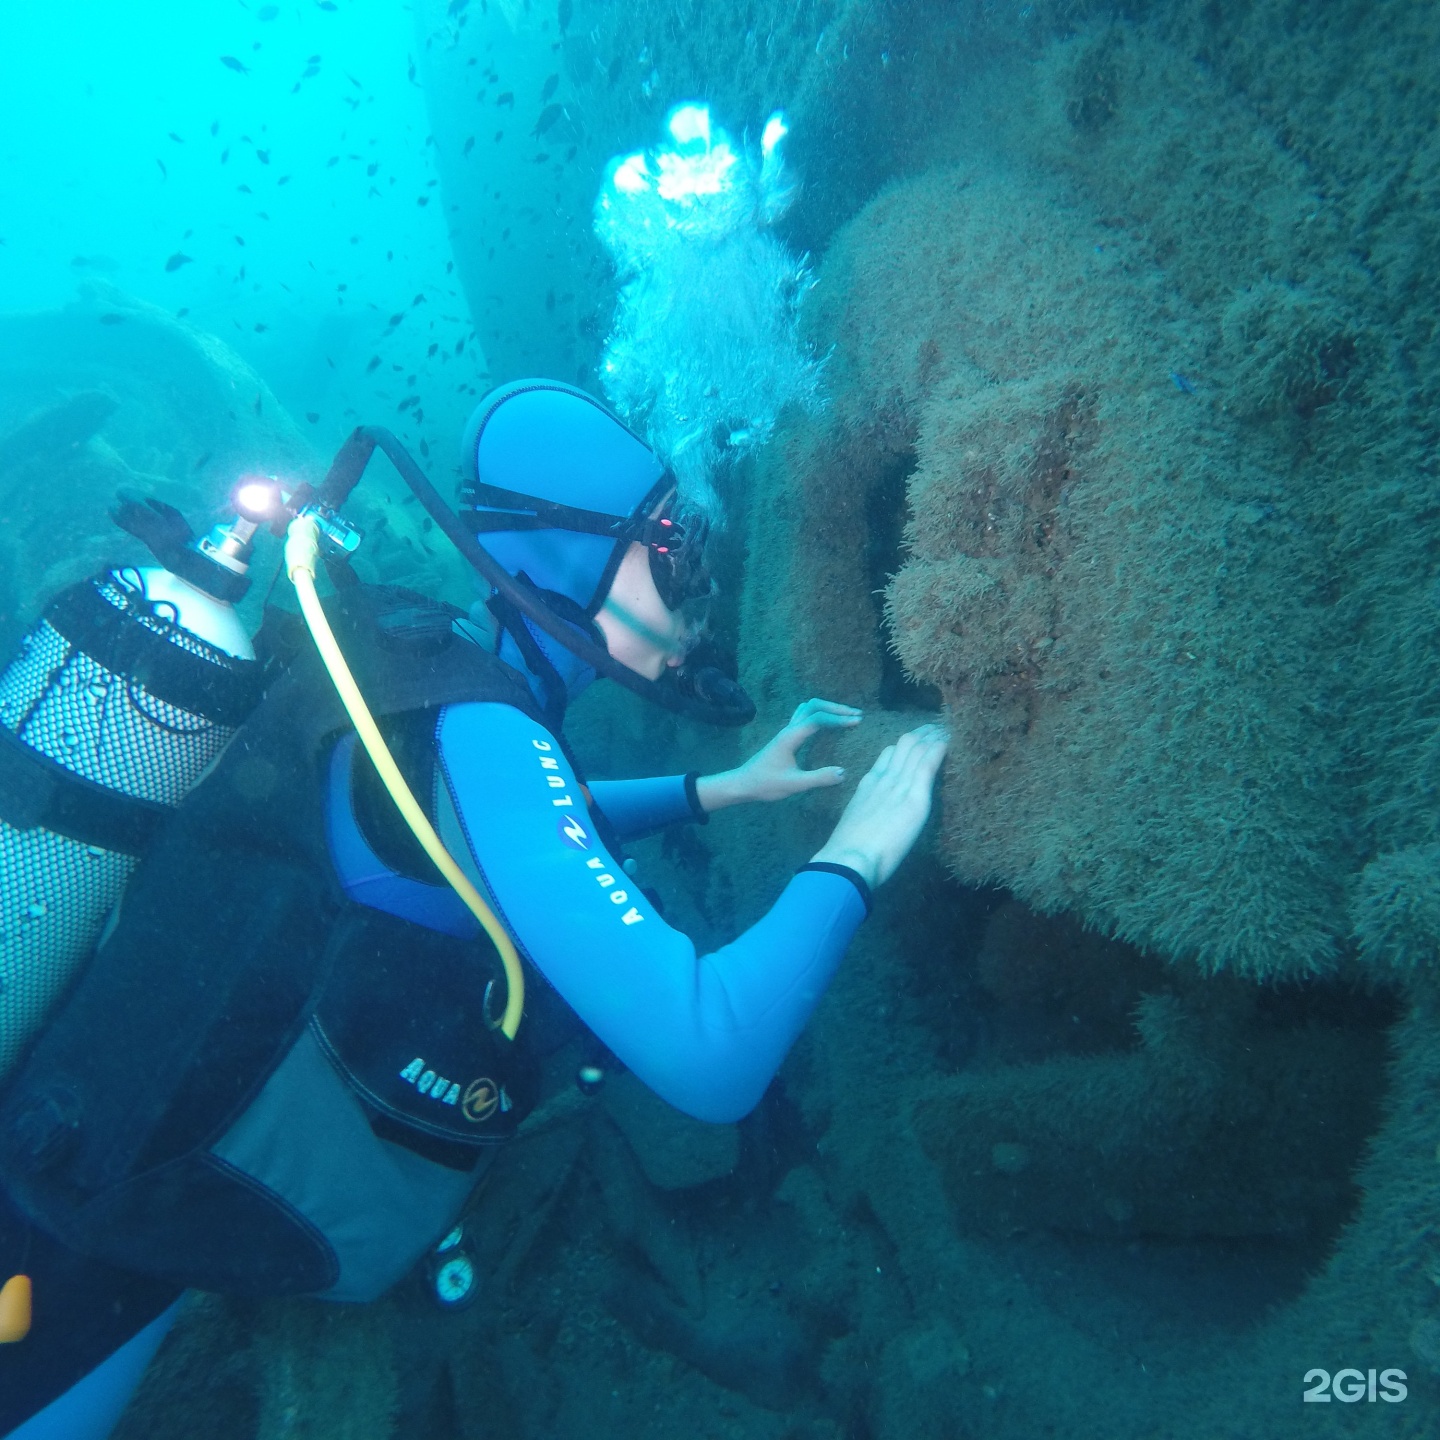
[264, 501]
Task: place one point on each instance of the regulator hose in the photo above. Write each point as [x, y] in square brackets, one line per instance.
[709, 701]
[302, 550]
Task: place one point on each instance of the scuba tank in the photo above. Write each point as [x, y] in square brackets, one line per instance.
[126, 689]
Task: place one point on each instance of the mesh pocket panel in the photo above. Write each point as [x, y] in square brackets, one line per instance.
[55, 892]
[54, 898]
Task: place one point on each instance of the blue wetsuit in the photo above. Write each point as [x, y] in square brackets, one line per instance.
[705, 1032]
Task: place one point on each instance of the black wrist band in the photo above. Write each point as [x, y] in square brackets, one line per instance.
[701, 814]
[853, 876]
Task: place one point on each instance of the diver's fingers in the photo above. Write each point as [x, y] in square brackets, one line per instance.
[923, 748]
[815, 705]
[927, 759]
[882, 763]
[797, 732]
[912, 756]
[819, 779]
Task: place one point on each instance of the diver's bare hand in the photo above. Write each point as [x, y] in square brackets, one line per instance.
[775, 772]
[889, 807]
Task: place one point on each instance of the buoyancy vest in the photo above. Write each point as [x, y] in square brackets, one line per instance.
[258, 1086]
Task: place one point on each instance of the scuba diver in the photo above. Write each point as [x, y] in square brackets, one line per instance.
[286, 1063]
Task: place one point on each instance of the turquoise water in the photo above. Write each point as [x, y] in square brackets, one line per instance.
[1067, 366]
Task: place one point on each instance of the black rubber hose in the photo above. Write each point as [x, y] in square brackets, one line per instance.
[735, 707]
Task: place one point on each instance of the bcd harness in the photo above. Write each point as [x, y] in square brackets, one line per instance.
[257, 1085]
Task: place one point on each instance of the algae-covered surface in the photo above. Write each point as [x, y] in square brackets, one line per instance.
[1074, 383]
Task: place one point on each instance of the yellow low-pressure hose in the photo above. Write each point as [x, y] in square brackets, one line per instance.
[302, 550]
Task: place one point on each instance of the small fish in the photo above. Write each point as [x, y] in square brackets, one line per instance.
[352, 80]
[508, 98]
[456, 7]
[418, 300]
[214, 128]
[469, 145]
[397, 317]
[312, 416]
[460, 346]
[202, 462]
[548, 88]
[231, 63]
[372, 167]
[433, 348]
[111, 318]
[373, 365]
[263, 156]
[257, 404]
[240, 240]
[176, 261]
[178, 139]
[182, 312]
[244, 189]
[267, 12]
[1182, 383]
[549, 299]
[422, 199]
[612, 72]
[225, 155]
[164, 173]
[563, 13]
[326, 5]
[260, 327]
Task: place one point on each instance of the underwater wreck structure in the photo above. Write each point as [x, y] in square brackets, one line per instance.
[1128, 466]
[1139, 361]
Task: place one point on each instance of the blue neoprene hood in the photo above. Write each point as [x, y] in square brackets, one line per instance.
[557, 443]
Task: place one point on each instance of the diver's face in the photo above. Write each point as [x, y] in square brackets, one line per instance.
[639, 631]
